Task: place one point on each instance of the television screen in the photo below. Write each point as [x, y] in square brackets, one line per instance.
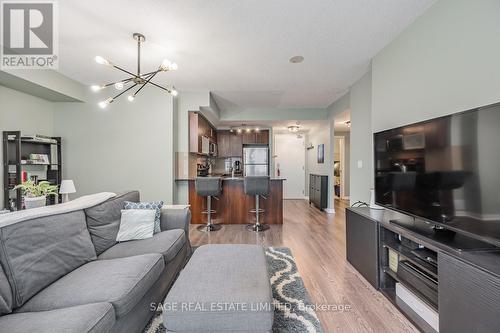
[445, 170]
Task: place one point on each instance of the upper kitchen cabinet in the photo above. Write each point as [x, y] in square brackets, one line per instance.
[236, 145]
[229, 144]
[199, 127]
[223, 144]
[260, 137]
[248, 138]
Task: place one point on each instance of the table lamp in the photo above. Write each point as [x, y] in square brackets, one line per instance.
[67, 187]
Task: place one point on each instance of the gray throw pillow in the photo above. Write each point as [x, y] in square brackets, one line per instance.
[156, 205]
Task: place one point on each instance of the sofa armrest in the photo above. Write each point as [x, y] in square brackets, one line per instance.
[175, 218]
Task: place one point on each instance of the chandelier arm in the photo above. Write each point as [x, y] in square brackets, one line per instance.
[147, 81]
[147, 74]
[157, 85]
[123, 92]
[122, 81]
[124, 70]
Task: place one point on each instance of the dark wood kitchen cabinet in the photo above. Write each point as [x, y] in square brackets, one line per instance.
[223, 144]
[199, 127]
[229, 144]
[248, 138]
[260, 137]
[236, 145]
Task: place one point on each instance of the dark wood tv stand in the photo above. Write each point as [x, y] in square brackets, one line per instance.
[467, 271]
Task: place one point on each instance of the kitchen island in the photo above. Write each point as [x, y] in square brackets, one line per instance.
[233, 206]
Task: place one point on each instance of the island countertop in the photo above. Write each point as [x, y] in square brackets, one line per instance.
[233, 206]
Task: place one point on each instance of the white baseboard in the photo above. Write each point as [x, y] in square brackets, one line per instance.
[329, 210]
[306, 198]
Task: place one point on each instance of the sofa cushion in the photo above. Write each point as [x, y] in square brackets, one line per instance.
[5, 294]
[168, 243]
[89, 318]
[37, 252]
[103, 220]
[121, 282]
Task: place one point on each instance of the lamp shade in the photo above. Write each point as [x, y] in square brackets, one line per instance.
[67, 186]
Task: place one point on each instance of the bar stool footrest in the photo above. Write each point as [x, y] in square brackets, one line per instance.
[209, 228]
[257, 227]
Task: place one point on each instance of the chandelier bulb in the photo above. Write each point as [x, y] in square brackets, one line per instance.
[96, 87]
[131, 98]
[105, 103]
[165, 65]
[173, 67]
[174, 92]
[119, 85]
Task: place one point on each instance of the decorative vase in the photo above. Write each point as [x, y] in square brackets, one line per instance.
[35, 202]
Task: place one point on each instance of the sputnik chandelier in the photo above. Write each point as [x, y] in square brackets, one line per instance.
[136, 80]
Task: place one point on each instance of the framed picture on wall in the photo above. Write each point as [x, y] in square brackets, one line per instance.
[321, 153]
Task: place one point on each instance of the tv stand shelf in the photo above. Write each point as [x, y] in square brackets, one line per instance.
[463, 274]
[406, 253]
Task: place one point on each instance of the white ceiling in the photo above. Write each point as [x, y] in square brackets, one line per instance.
[238, 49]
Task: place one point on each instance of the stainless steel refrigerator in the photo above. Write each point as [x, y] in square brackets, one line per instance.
[255, 161]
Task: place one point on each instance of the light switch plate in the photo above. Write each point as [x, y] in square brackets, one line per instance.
[360, 164]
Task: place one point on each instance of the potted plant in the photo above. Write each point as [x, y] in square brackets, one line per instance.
[35, 194]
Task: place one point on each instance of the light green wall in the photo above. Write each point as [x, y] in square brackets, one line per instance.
[29, 114]
[126, 146]
[316, 136]
[358, 101]
[361, 140]
[446, 61]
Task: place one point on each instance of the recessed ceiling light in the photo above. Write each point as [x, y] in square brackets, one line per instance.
[296, 59]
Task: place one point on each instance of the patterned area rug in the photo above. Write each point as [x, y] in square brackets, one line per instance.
[293, 312]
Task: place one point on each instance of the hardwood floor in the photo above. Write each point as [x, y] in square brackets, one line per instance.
[317, 241]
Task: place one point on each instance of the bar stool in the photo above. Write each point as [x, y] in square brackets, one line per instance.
[209, 187]
[259, 187]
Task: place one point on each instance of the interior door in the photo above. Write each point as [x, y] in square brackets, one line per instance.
[290, 158]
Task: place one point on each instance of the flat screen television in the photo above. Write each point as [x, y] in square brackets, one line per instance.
[444, 170]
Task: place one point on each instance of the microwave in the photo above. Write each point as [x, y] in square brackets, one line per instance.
[207, 147]
[212, 149]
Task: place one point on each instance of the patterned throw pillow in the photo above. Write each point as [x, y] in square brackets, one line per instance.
[156, 205]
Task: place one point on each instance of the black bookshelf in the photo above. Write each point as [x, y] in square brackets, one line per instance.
[15, 150]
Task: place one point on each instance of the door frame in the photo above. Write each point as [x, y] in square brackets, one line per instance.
[342, 165]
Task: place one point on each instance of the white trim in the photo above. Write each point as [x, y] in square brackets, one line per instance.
[306, 198]
[330, 210]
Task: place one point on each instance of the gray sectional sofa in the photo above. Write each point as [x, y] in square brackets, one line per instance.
[66, 272]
